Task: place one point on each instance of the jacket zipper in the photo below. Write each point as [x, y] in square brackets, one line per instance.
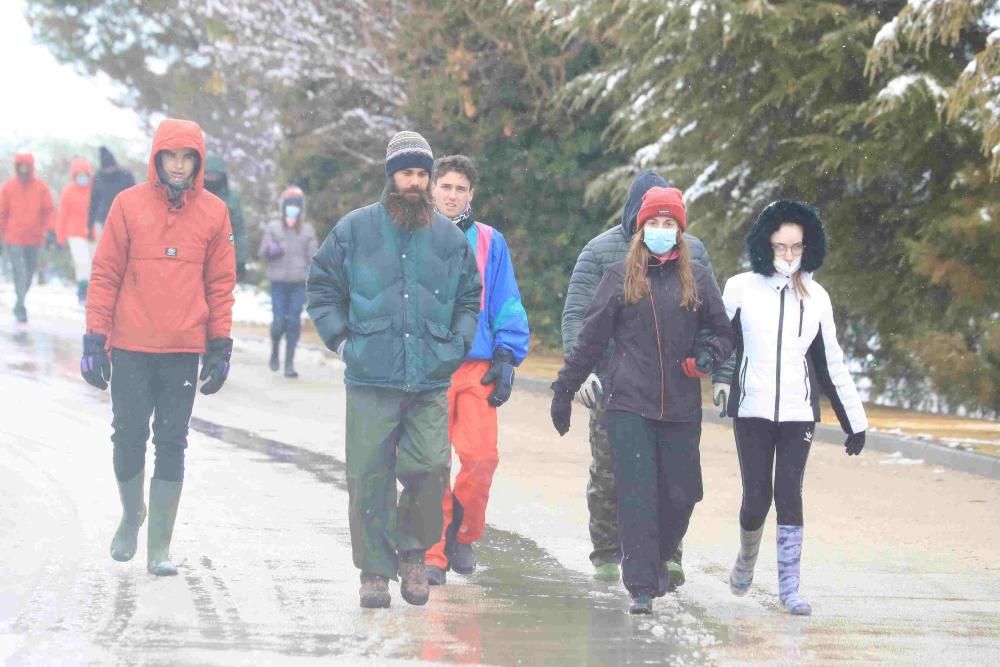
[777, 365]
[659, 348]
[743, 380]
[805, 369]
[802, 312]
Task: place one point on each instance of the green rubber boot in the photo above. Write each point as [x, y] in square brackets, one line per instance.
[607, 572]
[131, 492]
[164, 497]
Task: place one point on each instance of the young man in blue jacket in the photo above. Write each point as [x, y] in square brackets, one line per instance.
[483, 382]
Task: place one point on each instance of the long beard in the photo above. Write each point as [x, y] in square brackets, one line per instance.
[409, 214]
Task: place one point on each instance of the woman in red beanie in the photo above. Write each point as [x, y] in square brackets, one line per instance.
[651, 305]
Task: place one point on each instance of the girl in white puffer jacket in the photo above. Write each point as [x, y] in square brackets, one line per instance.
[786, 352]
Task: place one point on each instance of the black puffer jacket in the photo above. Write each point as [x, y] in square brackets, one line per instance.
[651, 340]
[606, 249]
[109, 180]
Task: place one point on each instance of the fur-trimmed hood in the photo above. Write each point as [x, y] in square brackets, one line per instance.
[770, 219]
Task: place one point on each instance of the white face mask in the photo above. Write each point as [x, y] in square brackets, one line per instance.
[787, 269]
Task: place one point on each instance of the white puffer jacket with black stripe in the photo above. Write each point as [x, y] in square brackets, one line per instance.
[786, 351]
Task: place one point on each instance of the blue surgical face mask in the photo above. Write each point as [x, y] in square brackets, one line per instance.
[659, 241]
[292, 212]
[82, 179]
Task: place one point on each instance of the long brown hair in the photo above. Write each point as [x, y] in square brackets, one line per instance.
[637, 264]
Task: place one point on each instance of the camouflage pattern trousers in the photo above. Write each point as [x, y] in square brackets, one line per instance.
[601, 500]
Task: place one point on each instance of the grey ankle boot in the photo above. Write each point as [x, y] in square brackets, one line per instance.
[789, 559]
[164, 497]
[741, 575]
[131, 492]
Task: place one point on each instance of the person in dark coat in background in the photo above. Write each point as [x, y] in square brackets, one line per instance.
[217, 182]
[108, 182]
[669, 325]
[287, 247]
[605, 249]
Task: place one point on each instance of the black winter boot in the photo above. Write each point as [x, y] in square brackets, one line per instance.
[275, 348]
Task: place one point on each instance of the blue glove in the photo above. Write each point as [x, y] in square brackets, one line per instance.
[95, 367]
[215, 364]
[501, 376]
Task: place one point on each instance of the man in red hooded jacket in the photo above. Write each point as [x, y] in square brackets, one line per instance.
[26, 214]
[161, 293]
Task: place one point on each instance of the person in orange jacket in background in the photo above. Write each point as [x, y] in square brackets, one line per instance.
[161, 293]
[26, 214]
[71, 222]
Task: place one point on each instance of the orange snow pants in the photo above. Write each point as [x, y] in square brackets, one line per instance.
[472, 429]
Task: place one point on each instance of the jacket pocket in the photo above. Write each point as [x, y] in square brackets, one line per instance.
[369, 352]
[447, 351]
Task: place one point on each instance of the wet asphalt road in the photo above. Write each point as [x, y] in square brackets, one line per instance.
[265, 571]
[266, 574]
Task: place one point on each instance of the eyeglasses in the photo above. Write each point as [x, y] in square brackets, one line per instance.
[781, 248]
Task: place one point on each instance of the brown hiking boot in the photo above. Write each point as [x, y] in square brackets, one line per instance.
[414, 586]
[374, 591]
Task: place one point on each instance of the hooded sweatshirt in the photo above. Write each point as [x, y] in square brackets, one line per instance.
[288, 251]
[106, 186]
[74, 203]
[26, 208]
[164, 274]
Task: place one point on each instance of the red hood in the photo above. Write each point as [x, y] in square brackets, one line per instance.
[80, 165]
[25, 158]
[173, 134]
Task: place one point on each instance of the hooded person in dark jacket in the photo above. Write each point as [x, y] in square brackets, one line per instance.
[604, 250]
[667, 320]
[217, 182]
[108, 182]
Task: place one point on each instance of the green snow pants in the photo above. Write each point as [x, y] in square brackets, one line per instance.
[393, 434]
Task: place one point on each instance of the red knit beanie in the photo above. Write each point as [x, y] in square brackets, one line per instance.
[662, 201]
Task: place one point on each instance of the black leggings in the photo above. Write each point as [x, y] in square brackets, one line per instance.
[765, 446]
[145, 385]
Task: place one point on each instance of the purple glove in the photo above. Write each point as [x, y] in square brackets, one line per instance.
[95, 367]
[273, 250]
[215, 364]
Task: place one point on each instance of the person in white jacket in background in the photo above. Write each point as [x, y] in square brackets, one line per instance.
[786, 351]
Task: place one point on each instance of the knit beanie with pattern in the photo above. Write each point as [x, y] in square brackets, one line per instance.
[408, 150]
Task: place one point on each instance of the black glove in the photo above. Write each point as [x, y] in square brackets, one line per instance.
[215, 364]
[95, 367]
[561, 410]
[501, 376]
[855, 443]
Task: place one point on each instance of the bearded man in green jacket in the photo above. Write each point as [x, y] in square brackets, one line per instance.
[395, 291]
